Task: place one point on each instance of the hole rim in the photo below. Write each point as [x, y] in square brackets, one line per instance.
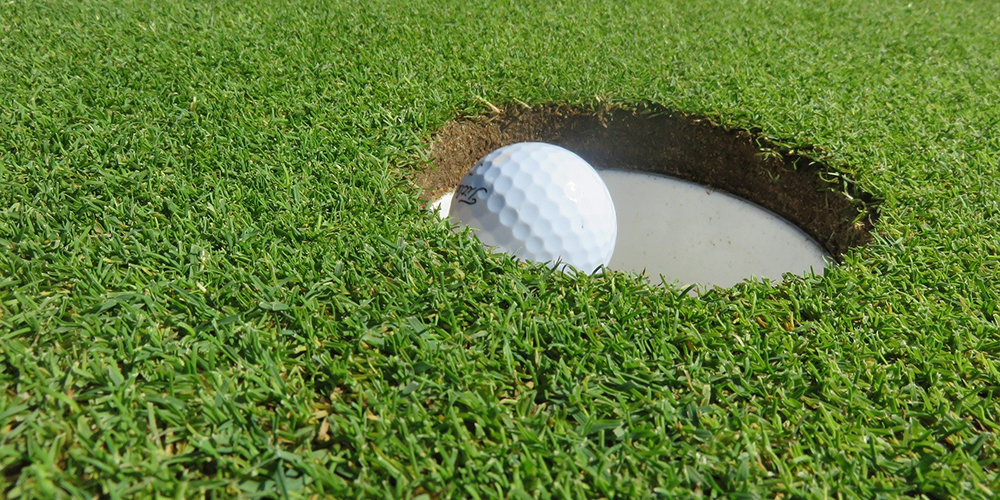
[821, 200]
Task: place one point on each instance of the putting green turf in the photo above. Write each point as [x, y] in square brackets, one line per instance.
[214, 275]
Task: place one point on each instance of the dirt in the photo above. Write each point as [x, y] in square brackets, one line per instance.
[740, 162]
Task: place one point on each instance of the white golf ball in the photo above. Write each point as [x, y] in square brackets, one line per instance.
[539, 202]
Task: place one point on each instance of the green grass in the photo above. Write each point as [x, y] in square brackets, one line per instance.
[215, 278]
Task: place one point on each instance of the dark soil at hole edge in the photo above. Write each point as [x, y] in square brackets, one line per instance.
[652, 140]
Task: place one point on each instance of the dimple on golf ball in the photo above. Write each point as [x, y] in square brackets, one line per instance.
[539, 202]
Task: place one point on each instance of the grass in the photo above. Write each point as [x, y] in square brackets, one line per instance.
[216, 280]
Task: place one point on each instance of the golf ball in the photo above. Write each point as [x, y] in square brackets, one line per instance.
[539, 202]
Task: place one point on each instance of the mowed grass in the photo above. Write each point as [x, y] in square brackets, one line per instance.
[215, 278]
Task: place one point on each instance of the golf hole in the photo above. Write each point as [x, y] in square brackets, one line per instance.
[696, 203]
